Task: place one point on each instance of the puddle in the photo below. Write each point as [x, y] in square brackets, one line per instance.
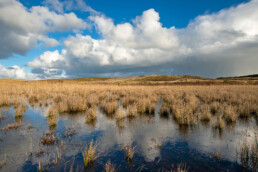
[159, 142]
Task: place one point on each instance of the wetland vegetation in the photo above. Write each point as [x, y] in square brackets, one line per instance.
[148, 124]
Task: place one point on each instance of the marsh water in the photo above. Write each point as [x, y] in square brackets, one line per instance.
[160, 143]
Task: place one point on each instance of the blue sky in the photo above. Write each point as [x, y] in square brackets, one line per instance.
[123, 38]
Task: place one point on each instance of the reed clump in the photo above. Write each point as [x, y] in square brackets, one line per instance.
[12, 126]
[109, 167]
[249, 153]
[150, 107]
[132, 111]
[69, 133]
[230, 114]
[109, 107]
[49, 139]
[129, 152]
[180, 168]
[219, 123]
[214, 107]
[92, 115]
[206, 113]
[52, 116]
[89, 154]
[20, 110]
[120, 114]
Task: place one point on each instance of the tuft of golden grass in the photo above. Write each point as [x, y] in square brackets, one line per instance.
[109, 167]
[49, 139]
[120, 114]
[180, 168]
[109, 107]
[214, 107]
[40, 168]
[89, 154]
[230, 114]
[129, 152]
[206, 114]
[219, 123]
[20, 110]
[132, 111]
[92, 115]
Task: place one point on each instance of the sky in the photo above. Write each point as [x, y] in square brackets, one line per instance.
[84, 38]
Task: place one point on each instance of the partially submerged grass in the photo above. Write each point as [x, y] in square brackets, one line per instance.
[109, 107]
[89, 154]
[180, 168]
[230, 114]
[40, 168]
[120, 114]
[109, 167]
[206, 114]
[165, 109]
[49, 139]
[219, 123]
[249, 153]
[20, 110]
[11, 126]
[91, 115]
[52, 117]
[129, 152]
[52, 121]
[187, 104]
[69, 133]
[131, 111]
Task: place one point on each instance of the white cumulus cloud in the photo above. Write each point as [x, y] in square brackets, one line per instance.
[218, 44]
[21, 28]
[16, 72]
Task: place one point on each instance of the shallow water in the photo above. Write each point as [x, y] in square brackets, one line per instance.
[159, 143]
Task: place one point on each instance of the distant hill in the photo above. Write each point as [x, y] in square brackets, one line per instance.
[251, 77]
[143, 78]
[158, 80]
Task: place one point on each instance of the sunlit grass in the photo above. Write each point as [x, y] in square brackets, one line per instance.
[129, 152]
[89, 154]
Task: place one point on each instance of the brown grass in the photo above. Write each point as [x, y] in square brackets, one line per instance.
[132, 111]
[165, 109]
[206, 114]
[129, 152]
[187, 104]
[219, 123]
[69, 133]
[20, 110]
[249, 153]
[120, 114]
[180, 168]
[11, 126]
[109, 167]
[49, 139]
[91, 116]
[89, 154]
[230, 114]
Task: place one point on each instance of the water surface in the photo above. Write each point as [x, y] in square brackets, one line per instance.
[160, 143]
